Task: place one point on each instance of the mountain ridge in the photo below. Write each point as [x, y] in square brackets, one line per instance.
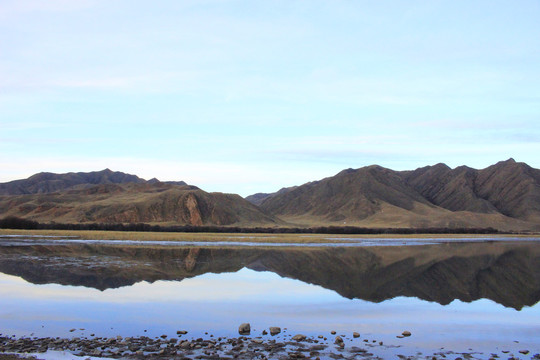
[46, 182]
[504, 196]
[115, 197]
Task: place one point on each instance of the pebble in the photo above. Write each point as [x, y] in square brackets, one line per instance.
[242, 347]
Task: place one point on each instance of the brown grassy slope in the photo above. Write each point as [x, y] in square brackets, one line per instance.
[134, 203]
[350, 195]
[420, 217]
[504, 196]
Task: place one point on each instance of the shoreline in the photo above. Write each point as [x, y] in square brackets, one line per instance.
[246, 237]
[297, 346]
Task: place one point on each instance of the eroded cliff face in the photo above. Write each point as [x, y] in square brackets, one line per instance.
[192, 207]
[508, 273]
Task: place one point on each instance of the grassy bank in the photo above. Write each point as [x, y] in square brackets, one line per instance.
[214, 237]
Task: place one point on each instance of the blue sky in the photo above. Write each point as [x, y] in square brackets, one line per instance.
[249, 96]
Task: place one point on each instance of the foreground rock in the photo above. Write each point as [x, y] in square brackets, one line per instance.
[161, 347]
[244, 329]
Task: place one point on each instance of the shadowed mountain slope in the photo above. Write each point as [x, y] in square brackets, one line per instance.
[509, 188]
[513, 188]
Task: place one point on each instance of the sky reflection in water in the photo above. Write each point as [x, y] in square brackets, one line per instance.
[218, 303]
[154, 290]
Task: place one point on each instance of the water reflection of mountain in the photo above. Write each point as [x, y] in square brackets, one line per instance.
[508, 273]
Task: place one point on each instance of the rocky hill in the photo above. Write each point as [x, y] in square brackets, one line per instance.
[505, 196]
[113, 197]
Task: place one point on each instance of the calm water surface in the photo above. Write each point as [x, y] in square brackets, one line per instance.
[458, 296]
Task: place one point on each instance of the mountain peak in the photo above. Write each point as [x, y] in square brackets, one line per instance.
[441, 166]
[510, 161]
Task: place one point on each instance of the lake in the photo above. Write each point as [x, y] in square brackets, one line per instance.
[468, 298]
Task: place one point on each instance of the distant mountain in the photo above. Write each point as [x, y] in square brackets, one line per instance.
[258, 198]
[508, 187]
[351, 193]
[49, 182]
[114, 197]
[154, 181]
[505, 196]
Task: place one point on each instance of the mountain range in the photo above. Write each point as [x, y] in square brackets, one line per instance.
[114, 197]
[504, 196]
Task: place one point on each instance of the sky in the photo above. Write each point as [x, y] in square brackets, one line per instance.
[252, 96]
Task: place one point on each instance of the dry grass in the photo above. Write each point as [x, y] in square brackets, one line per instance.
[214, 237]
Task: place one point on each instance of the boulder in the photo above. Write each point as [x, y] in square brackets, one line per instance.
[299, 337]
[244, 329]
[274, 330]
